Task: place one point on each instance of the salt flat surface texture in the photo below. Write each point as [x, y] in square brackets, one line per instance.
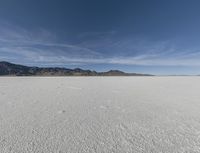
[99, 114]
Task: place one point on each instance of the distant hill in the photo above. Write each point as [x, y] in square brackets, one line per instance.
[11, 69]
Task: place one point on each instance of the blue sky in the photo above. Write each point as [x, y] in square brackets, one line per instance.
[146, 36]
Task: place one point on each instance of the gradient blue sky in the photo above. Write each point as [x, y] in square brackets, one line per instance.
[146, 36]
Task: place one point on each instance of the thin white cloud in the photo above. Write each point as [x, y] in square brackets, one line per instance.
[32, 45]
[41, 47]
[147, 61]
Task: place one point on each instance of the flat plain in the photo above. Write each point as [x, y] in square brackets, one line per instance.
[99, 114]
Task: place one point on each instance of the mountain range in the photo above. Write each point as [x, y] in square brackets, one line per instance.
[10, 69]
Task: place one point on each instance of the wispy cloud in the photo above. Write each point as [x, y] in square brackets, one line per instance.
[42, 47]
[31, 46]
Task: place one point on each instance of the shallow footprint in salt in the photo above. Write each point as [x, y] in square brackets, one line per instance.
[61, 111]
[2, 93]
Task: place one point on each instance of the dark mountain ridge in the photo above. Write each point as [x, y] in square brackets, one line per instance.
[11, 69]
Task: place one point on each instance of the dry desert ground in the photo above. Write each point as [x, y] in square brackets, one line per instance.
[99, 114]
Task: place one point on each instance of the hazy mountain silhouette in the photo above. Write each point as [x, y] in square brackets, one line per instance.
[11, 69]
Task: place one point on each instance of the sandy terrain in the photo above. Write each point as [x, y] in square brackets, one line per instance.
[100, 114]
